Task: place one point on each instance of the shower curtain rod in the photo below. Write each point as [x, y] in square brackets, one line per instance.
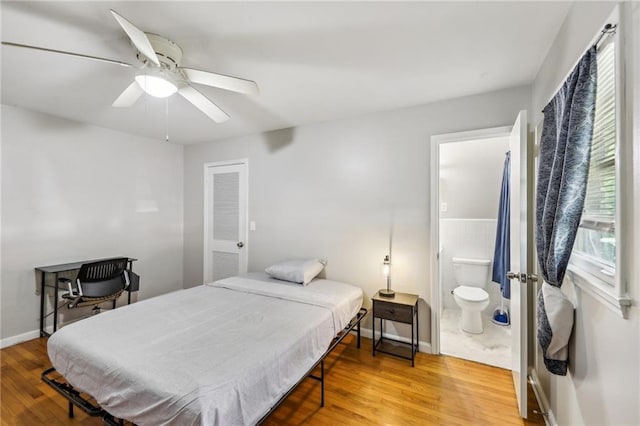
[608, 29]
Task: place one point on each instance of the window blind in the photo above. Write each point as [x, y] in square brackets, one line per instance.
[600, 202]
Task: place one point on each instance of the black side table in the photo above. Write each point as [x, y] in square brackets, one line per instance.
[402, 308]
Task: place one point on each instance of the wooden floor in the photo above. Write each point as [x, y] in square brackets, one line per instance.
[360, 390]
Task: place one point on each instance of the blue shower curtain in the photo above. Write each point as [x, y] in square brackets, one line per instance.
[501, 254]
[565, 150]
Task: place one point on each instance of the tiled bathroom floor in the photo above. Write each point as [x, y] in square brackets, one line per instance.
[492, 347]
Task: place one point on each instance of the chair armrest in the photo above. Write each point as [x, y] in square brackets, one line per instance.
[72, 292]
[126, 279]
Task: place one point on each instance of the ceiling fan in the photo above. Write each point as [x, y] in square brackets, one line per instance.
[160, 73]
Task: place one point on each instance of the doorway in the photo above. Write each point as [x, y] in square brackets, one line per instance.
[470, 179]
[225, 219]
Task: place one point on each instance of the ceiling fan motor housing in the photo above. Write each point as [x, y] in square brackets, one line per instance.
[169, 53]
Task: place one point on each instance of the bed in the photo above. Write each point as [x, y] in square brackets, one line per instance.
[224, 353]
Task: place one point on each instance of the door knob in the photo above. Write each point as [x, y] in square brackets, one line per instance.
[513, 275]
[240, 244]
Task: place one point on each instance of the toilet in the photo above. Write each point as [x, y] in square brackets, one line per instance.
[471, 277]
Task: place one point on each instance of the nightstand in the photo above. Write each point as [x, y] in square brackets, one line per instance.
[402, 308]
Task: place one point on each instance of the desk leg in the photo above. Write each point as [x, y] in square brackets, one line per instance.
[42, 300]
[55, 304]
[128, 292]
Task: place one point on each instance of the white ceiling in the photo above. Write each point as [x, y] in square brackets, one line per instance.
[312, 61]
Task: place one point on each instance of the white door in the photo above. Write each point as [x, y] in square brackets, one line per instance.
[225, 220]
[518, 231]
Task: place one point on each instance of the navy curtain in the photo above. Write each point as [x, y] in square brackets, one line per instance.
[565, 150]
[501, 253]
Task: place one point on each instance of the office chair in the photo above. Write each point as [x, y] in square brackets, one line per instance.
[97, 282]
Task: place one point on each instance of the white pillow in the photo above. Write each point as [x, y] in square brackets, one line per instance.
[300, 271]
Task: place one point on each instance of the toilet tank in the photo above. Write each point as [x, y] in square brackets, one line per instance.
[471, 272]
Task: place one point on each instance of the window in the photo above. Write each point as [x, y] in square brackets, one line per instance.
[596, 239]
[596, 264]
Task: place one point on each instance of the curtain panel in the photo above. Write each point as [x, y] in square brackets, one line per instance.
[502, 250]
[565, 150]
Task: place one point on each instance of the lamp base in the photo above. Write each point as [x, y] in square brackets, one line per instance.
[387, 293]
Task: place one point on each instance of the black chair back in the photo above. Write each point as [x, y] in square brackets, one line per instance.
[103, 278]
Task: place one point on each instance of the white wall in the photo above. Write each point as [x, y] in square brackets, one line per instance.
[71, 191]
[330, 190]
[603, 382]
[471, 178]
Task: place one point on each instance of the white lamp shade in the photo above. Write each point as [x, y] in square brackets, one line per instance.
[156, 86]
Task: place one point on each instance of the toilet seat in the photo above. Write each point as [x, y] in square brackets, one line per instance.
[471, 294]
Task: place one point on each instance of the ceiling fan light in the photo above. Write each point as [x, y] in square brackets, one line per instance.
[156, 86]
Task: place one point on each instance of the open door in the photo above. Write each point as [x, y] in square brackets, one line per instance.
[518, 276]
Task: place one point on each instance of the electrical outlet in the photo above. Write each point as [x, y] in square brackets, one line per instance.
[443, 207]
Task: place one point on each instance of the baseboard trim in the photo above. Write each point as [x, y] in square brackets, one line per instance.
[33, 334]
[422, 346]
[14, 340]
[541, 397]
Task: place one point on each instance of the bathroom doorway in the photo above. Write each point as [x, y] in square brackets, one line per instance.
[473, 314]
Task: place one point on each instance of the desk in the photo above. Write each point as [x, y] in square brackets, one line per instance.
[56, 270]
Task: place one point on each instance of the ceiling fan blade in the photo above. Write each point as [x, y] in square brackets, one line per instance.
[221, 81]
[79, 55]
[138, 38]
[201, 102]
[129, 96]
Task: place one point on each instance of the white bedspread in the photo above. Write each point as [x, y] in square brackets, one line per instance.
[218, 354]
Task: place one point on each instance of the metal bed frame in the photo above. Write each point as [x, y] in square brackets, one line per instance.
[77, 398]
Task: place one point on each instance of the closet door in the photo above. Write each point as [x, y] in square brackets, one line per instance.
[225, 220]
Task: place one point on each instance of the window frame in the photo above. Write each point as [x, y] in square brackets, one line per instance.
[589, 273]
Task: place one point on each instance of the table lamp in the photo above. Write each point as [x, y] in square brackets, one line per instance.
[386, 270]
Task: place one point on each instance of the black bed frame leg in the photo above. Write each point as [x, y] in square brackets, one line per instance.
[322, 383]
[354, 323]
[70, 409]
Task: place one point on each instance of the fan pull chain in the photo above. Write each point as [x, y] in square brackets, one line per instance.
[167, 122]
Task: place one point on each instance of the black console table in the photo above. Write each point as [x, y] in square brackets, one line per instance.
[56, 270]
